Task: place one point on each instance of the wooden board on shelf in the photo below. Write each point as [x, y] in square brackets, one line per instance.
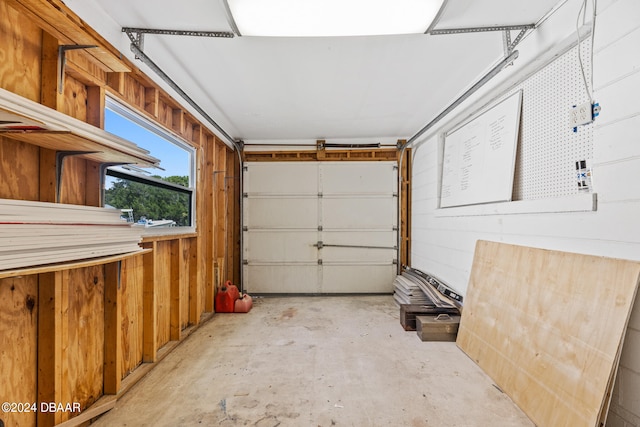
[548, 327]
[43, 126]
[39, 233]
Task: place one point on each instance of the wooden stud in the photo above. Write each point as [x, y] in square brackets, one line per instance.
[52, 297]
[112, 329]
[49, 90]
[96, 106]
[194, 288]
[177, 278]
[149, 305]
[177, 120]
[48, 176]
[208, 218]
[116, 82]
[92, 184]
[151, 101]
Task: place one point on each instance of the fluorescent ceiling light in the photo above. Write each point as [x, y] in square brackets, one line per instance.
[319, 18]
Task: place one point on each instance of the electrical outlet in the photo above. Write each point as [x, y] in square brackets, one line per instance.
[580, 114]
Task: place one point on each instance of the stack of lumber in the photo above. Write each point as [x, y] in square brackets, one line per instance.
[408, 292]
[37, 233]
[435, 290]
[548, 327]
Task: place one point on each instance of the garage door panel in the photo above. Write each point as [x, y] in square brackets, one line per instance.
[291, 178]
[358, 178]
[281, 213]
[291, 206]
[291, 278]
[282, 246]
[356, 255]
[360, 213]
[358, 278]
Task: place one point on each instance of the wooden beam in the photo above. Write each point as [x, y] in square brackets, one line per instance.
[149, 305]
[377, 154]
[112, 329]
[54, 17]
[53, 293]
[50, 95]
[177, 279]
[80, 67]
[102, 405]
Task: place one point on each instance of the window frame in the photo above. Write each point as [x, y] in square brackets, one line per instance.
[130, 172]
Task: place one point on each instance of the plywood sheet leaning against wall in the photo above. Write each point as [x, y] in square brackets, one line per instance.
[548, 327]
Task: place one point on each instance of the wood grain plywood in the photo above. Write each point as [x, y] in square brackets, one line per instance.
[18, 346]
[548, 327]
[75, 99]
[83, 340]
[19, 53]
[131, 313]
[19, 170]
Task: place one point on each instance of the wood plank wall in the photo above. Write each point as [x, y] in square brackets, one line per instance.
[78, 334]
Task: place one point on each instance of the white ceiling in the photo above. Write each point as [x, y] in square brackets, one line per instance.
[288, 89]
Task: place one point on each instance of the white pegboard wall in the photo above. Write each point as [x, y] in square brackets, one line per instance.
[548, 147]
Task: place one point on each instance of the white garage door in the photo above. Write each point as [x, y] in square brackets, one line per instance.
[320, 227]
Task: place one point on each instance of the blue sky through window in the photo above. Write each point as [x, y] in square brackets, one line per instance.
[173, 159]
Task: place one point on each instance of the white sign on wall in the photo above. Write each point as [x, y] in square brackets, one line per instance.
[479, 157]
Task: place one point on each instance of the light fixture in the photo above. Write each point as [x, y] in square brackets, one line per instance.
[322, 18]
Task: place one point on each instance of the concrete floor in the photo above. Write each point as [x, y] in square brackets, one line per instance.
[314, 361]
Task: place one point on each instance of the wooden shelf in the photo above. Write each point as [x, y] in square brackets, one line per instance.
[48, 268]
[43, 126]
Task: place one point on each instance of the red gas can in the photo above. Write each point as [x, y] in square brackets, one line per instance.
[226, 298]
[243, 304]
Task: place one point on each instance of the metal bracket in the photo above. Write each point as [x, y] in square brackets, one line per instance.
[319, 262]
[245, 228]
[319, 228]
[62, 61]
[509, 45]
[60, 156]
[245, 262]
[103, 177]
[319, 245]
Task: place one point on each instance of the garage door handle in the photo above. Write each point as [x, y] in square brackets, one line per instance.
[321, 245]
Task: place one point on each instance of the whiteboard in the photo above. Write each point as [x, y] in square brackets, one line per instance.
[479, 157]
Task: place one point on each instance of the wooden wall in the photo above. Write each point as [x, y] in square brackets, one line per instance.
[88, 331]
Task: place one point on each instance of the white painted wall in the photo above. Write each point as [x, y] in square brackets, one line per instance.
[444, 245]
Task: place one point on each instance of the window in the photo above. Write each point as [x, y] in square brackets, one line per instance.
[150, 197]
